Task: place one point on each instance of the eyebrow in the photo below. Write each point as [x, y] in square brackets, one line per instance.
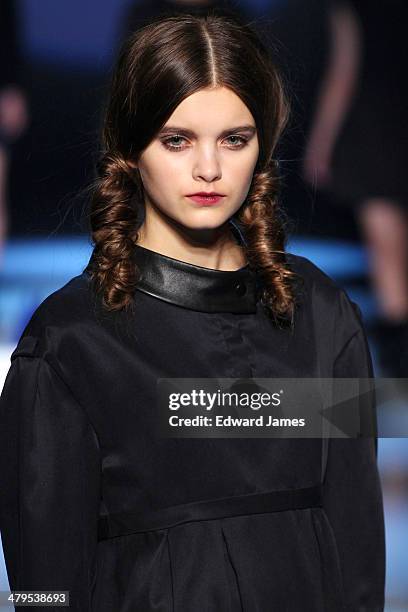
[179, 130]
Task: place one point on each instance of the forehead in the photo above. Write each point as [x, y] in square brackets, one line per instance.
[211, 109]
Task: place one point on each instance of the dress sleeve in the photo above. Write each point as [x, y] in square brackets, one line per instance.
[352, 490]
[50, 484]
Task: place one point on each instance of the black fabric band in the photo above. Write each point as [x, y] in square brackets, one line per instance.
[272, 501]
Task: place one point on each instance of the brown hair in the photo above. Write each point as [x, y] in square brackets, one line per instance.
[157, 67]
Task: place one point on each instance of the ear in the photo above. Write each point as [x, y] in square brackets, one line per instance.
[132, 164]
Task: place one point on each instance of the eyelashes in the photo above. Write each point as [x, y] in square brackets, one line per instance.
[169, 142]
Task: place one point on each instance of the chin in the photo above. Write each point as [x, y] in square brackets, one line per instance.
[207, 220]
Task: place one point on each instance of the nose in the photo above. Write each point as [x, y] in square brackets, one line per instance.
[207, 165]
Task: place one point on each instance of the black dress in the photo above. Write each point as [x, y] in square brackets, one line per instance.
[371, 154]
[92, 502]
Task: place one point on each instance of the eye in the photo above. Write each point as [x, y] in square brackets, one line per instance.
[241, 141]
[169, 142]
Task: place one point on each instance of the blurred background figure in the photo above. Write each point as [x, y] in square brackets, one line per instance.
[358, 150]
[13, 103]
[296, 33]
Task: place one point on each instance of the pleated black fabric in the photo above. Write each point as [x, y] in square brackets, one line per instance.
[93, 502]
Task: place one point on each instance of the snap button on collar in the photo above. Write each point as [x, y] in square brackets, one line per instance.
[240, 288]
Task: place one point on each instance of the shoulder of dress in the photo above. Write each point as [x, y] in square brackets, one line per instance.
[64, 307]
[328, 299]
[312, 274]
[68, 303]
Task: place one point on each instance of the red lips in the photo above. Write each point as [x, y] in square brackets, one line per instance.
[205, 194]
[206, 198]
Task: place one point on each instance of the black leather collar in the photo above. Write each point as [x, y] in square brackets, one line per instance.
[196, 287]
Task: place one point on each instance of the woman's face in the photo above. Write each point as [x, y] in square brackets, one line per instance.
[209, 144]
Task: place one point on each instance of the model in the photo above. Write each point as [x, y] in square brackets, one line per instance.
[188, 278]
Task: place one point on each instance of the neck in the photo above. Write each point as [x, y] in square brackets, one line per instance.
[216, 249]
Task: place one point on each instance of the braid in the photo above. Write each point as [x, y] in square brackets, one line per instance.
[114, 222]
[264, 228]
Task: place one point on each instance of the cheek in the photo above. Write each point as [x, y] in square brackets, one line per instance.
[158, 176]
[161, 183]
[242, 171]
